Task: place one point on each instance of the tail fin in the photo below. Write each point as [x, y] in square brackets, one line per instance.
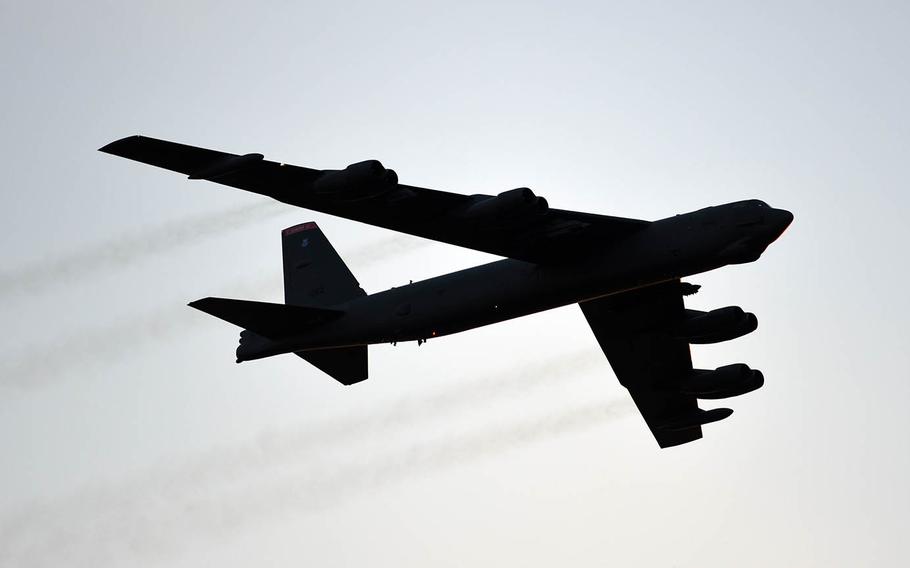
[314, 274]
[347, 365]
[315, 277]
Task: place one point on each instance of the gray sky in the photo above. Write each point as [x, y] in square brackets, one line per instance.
[130, 437]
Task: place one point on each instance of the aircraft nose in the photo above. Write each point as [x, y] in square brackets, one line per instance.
[782, 220]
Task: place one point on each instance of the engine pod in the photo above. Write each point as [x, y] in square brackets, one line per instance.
[515, 204]
[362, 180]
[755, 381]
[718, 325]
[698, 417]
[723, 382]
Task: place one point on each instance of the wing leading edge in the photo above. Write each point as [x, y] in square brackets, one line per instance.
[634, 331]
[515, 224]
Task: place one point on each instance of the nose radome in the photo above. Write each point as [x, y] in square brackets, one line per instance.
[785, 218]
[782, 220]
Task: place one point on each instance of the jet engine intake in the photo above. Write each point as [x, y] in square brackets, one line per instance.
[514, 204]
[723, 382]
[357, 181]
[722, 324]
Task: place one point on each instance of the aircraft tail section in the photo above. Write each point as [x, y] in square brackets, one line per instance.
[272, 321]
[314, 274]
[316, 280]
[347, 365]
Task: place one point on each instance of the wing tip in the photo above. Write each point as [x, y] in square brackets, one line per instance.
[112, 147]
[666, 439]
[204, 304]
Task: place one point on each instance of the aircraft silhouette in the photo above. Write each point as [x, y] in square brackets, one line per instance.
[624, 274]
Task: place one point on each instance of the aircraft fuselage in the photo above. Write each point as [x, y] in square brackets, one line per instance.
[667, 249]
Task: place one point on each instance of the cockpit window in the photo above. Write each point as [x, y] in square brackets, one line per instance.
[750, 204]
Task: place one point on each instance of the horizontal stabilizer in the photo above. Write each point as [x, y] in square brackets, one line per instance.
[347, 365]
[274, 321]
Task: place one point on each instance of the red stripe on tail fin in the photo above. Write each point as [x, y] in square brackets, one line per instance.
[298, 228]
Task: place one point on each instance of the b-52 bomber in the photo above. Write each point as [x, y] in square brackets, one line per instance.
[623, 273]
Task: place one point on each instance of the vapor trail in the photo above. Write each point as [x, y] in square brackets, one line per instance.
[128, 248]
[49, 361]
[116, 527]
[271, 451]
[380, 250]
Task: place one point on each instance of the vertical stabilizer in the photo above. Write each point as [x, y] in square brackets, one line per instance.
[314, 274]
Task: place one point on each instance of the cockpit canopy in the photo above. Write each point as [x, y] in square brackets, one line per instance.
[750, 203]
[750, 212]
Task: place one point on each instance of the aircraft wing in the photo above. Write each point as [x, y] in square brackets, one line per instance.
[634, 329]
[515, 224]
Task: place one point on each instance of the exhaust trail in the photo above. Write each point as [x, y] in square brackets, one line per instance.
[368, 255]
[276, 450]
[48, 362]
[114, 527]
[125, 249]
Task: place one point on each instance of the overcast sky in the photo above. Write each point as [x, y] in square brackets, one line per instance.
[130, 437]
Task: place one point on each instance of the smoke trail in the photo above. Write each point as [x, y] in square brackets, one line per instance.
[381, 250]
[271, 450]
[115, 527]
[48, 362]
[276, 450]
[129, 248]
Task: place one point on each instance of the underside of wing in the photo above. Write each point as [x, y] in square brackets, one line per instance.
[645, 335]
[516, 223]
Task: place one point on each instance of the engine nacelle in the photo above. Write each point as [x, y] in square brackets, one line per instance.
[723, 382]
[697, 417]
[357, 181]
[718, 325]
[514, 204]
